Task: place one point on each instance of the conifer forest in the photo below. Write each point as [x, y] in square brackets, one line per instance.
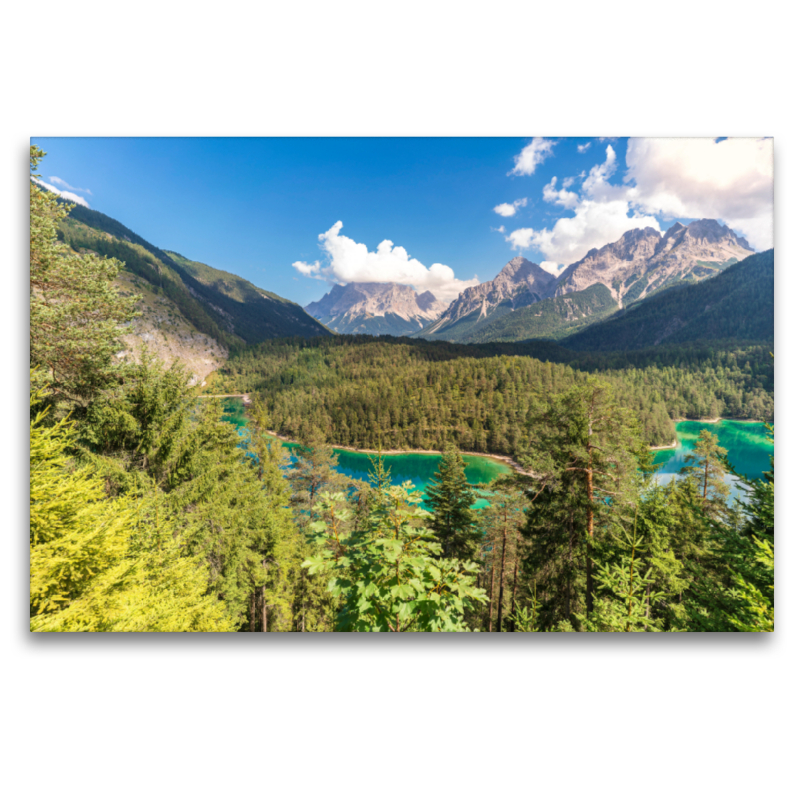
[150, 511]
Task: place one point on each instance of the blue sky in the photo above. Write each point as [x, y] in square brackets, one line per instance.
[455, 210]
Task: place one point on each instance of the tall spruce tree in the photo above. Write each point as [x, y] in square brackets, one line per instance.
[706, 466]
[451, 498]
[587, 453]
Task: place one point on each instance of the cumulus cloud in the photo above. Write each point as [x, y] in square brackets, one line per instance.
[532, 155]
[595, 224]
[350, 261]
[509, 209]
[560, 197]
[65, 185]
[70, 196]
[602, 213]
[582, 148]
[596, 184]
[730, 180]
[501, 229]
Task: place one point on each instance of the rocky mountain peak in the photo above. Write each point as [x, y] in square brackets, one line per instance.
[642, 260]
[377, 308]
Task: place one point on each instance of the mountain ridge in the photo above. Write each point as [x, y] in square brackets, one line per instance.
[375, 308]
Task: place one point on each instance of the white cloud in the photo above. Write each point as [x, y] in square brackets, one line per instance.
[501, 229]
[731, 180]
[531, 156]
[602, 214]
[61, 182]
[73, 198]
[595, 224]
[596, 184]
[309, 270]
[582, 148]
[561, 197]
[509, 209]
[553, 267]
[350, 261]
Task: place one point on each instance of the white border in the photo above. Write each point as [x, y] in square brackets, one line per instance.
[657, 717]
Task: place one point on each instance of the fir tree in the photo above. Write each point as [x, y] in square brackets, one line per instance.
[451, 498]
[587, 453]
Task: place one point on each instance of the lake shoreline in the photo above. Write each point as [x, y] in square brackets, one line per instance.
[507, 460]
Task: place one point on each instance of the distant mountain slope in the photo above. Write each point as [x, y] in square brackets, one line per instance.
[217, 303]
[376, 309]
[520, 283]
[552, 318]
[736, 304]
[642, 260]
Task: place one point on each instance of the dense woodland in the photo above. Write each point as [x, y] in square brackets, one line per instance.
[150, 513]
[404, 394]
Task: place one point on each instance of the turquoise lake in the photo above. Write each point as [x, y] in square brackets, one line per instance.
[419, 468]
[748, 447]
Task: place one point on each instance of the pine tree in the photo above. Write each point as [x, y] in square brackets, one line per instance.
[451, 498]
[588, 454]
[706, 466]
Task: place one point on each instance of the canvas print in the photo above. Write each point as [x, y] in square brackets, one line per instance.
[498, 385]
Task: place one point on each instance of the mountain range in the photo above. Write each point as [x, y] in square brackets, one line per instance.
[524, 301]
[695, 282]
[376, 309]
[738, 303]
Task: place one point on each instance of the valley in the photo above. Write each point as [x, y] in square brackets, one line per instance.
[502, 438]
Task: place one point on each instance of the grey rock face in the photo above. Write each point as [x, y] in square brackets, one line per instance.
[642, 260]
[520, 283]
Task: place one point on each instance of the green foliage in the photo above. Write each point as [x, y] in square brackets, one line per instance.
[100, 564]
[502, 551]
[588, 456]
[451, 498]
[706, 467]
[388, 573]
[76, 312]
[218, 303]
[152, 431]
[624, 597]
[362, 391]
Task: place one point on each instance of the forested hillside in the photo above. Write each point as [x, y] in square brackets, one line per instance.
[149, 512]
[368, 393]
[218, 303]
[552, 318]
[738, 304]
